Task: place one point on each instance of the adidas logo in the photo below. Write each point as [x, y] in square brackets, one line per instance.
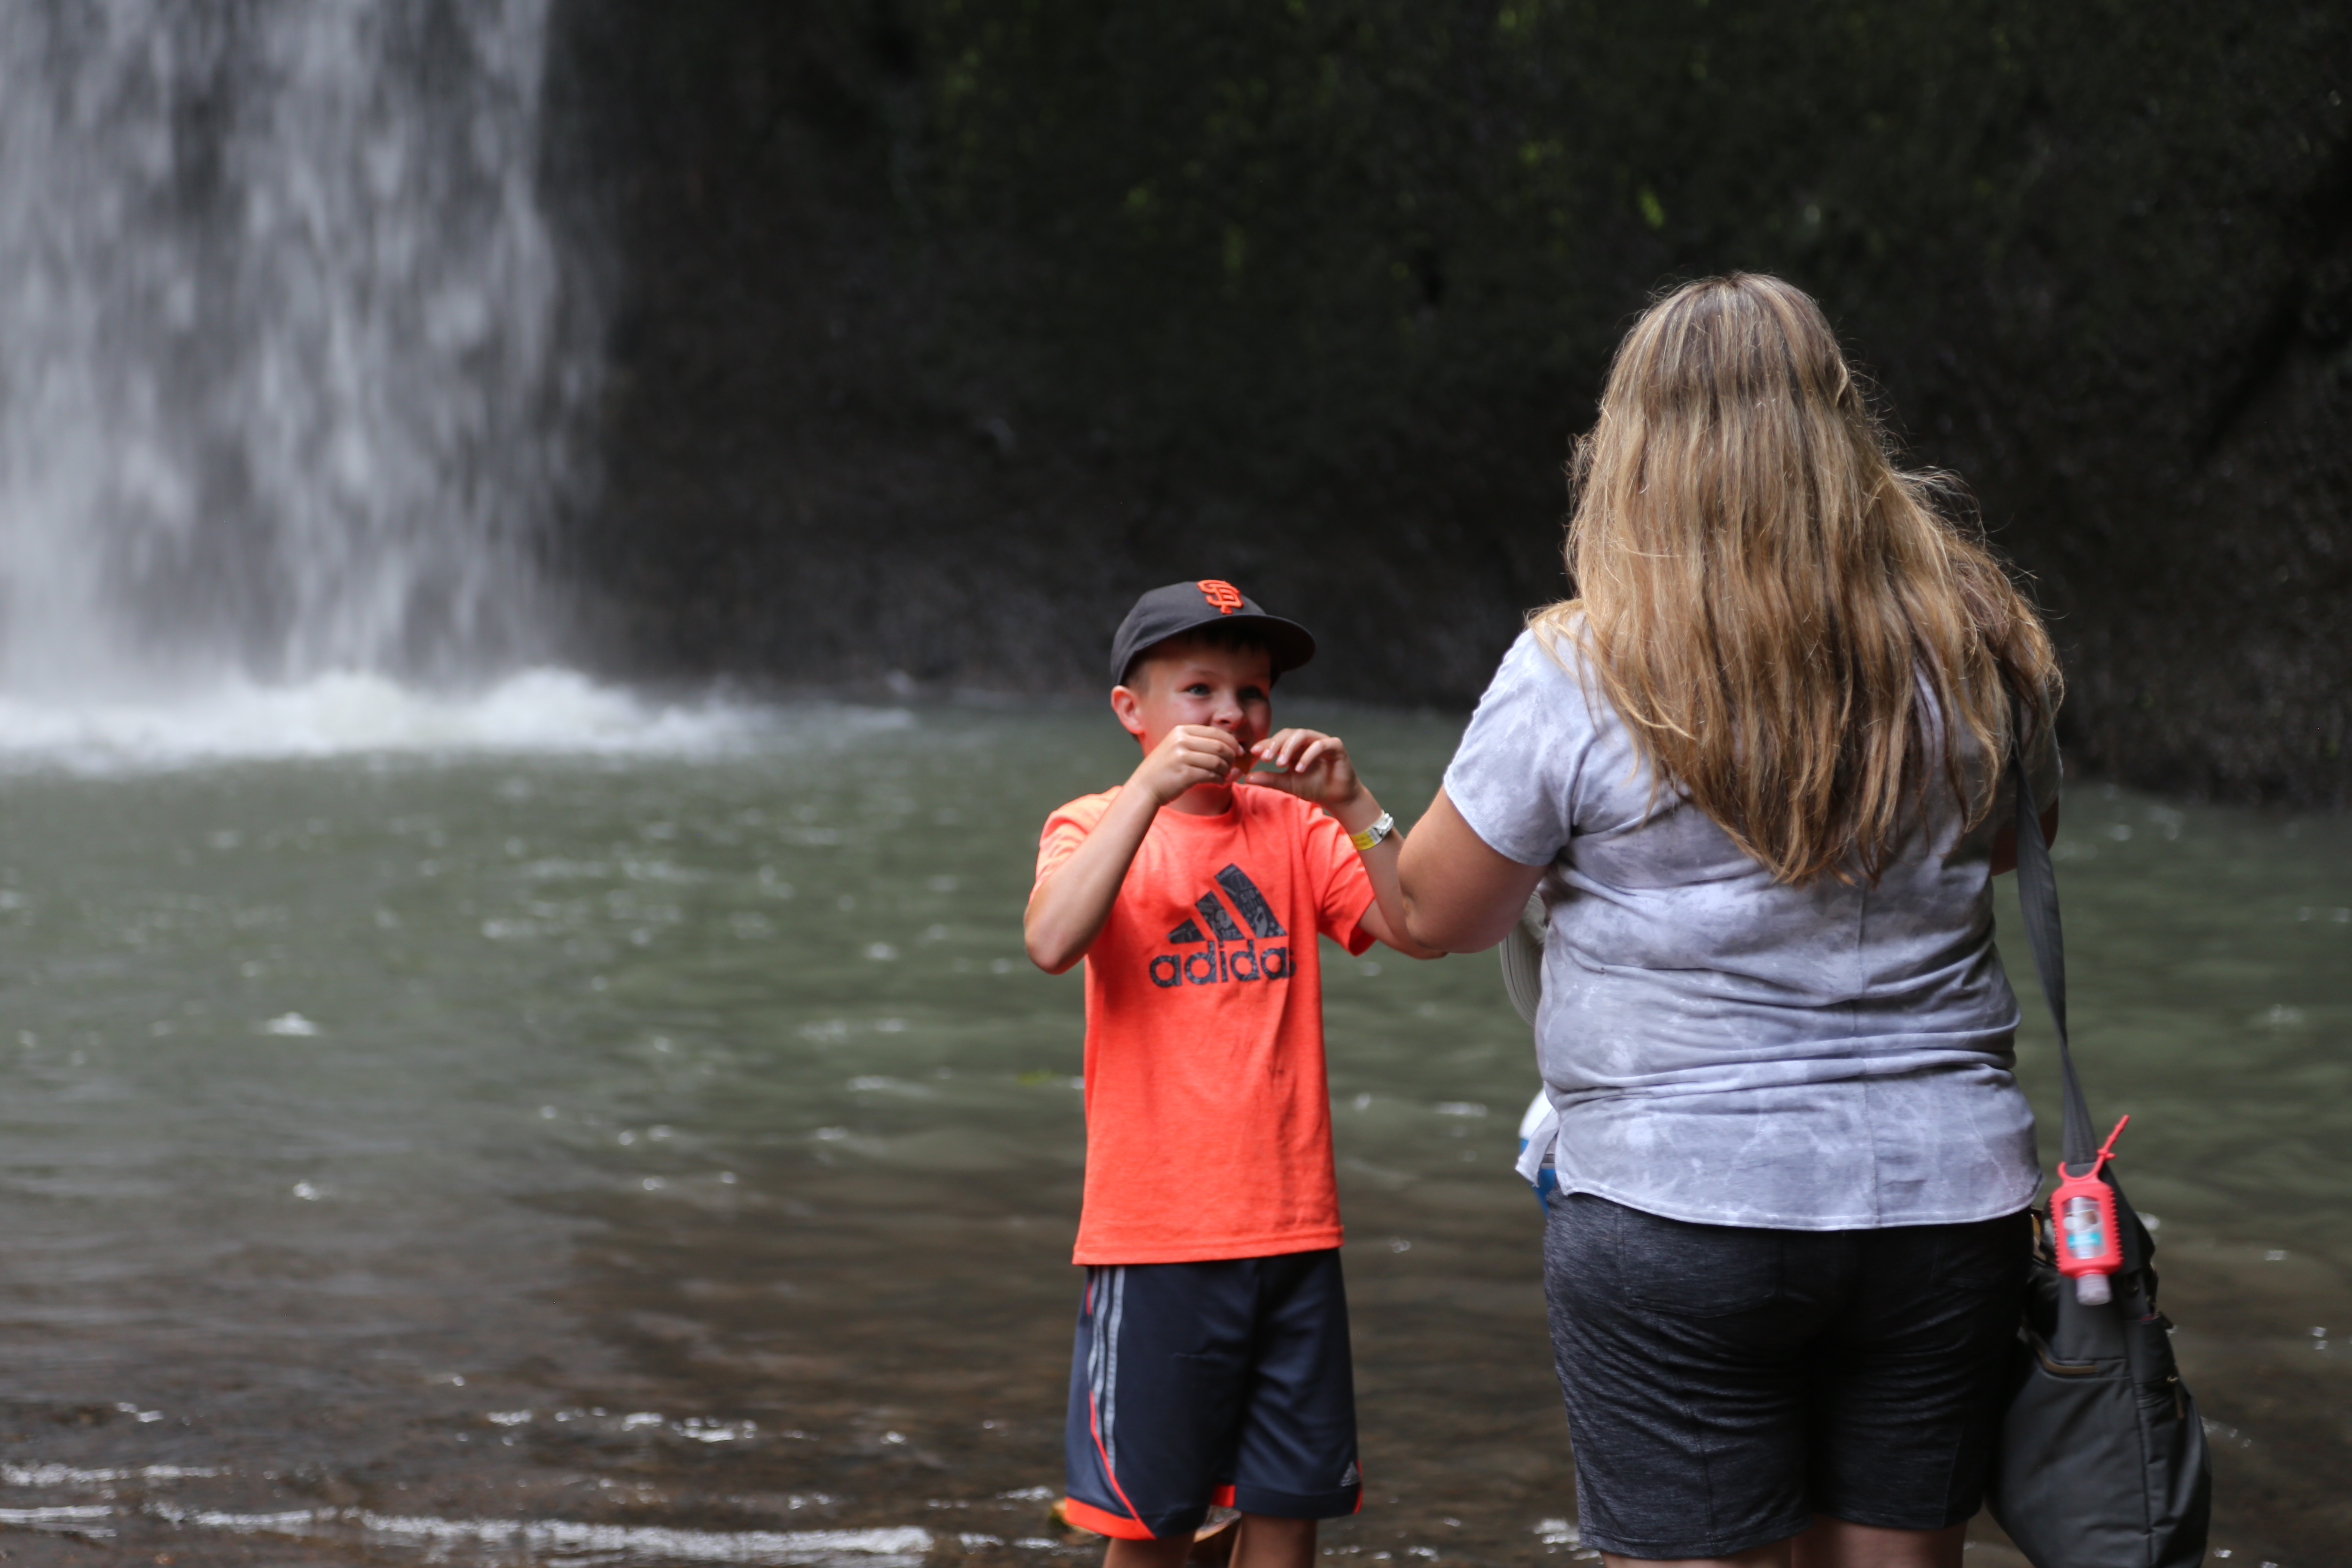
[1217, 963]
[1353, 1477]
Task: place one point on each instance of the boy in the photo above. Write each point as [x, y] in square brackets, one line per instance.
[1211, 1360]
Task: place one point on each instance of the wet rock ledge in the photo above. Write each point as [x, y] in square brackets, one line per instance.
[936, 328]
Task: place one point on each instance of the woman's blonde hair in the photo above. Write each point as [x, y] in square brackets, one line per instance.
[1795, 631]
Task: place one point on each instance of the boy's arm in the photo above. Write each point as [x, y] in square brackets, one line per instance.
[1316, 768]
[1068, 909]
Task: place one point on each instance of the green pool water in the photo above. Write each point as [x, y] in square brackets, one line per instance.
[669, 1156]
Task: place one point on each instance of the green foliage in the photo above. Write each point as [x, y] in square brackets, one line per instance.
[1319, 217]
[1358, 265]
[946, 323]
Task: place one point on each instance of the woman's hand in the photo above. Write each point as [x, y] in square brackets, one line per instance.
[1460, 895]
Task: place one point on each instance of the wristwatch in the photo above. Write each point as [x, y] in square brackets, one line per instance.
[1375, 833]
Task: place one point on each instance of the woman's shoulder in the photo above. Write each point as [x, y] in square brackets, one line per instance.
[1549, 661]
[1545, 708]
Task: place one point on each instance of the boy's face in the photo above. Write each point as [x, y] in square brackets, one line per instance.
[1185, 682]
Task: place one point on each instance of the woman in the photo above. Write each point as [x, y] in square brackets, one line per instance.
[1758, 769]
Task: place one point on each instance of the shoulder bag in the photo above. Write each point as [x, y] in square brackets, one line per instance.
[2101, 1462]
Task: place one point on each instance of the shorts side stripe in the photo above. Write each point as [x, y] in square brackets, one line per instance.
[1094, 1341]
[1110, 1371]
[1102, 1375]
[1098, 1294]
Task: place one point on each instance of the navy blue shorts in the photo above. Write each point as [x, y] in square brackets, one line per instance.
[1725, 1385]
[1227, 1382]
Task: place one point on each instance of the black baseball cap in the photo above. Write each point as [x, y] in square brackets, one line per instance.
[1182, 607]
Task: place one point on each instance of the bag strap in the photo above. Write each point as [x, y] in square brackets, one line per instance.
[2037, 897]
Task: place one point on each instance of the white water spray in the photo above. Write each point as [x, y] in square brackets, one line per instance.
[286, 365]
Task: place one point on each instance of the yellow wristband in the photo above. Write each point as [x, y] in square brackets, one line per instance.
[1374, 834]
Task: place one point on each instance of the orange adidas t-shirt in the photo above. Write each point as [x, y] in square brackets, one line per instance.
[1208, 1119]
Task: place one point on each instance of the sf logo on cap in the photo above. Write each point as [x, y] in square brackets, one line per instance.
[1225, 596]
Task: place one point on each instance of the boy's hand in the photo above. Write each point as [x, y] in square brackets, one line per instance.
[1313, 766]
[1187, 754]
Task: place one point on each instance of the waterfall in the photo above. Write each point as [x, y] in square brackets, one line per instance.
[286, 364]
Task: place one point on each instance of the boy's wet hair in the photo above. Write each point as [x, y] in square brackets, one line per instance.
[1243, 638]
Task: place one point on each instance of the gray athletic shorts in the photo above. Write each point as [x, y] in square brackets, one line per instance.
[1725, 1385]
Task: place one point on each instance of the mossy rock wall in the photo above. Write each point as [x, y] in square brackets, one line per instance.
[941, 329]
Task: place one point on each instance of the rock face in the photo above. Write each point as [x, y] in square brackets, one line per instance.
[941, 328]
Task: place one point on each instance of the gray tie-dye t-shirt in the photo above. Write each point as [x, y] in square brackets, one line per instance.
[1728, 1049]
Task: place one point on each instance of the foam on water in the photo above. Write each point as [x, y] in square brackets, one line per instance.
[889, 1546]
[546, 711]
[900, 1546]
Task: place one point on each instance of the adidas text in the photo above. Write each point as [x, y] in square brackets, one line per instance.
[1216, 962]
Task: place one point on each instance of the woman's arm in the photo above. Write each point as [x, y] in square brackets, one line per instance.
[1460, 895]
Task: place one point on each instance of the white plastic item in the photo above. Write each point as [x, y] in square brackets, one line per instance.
[1538, 1130]
[1522, 953]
